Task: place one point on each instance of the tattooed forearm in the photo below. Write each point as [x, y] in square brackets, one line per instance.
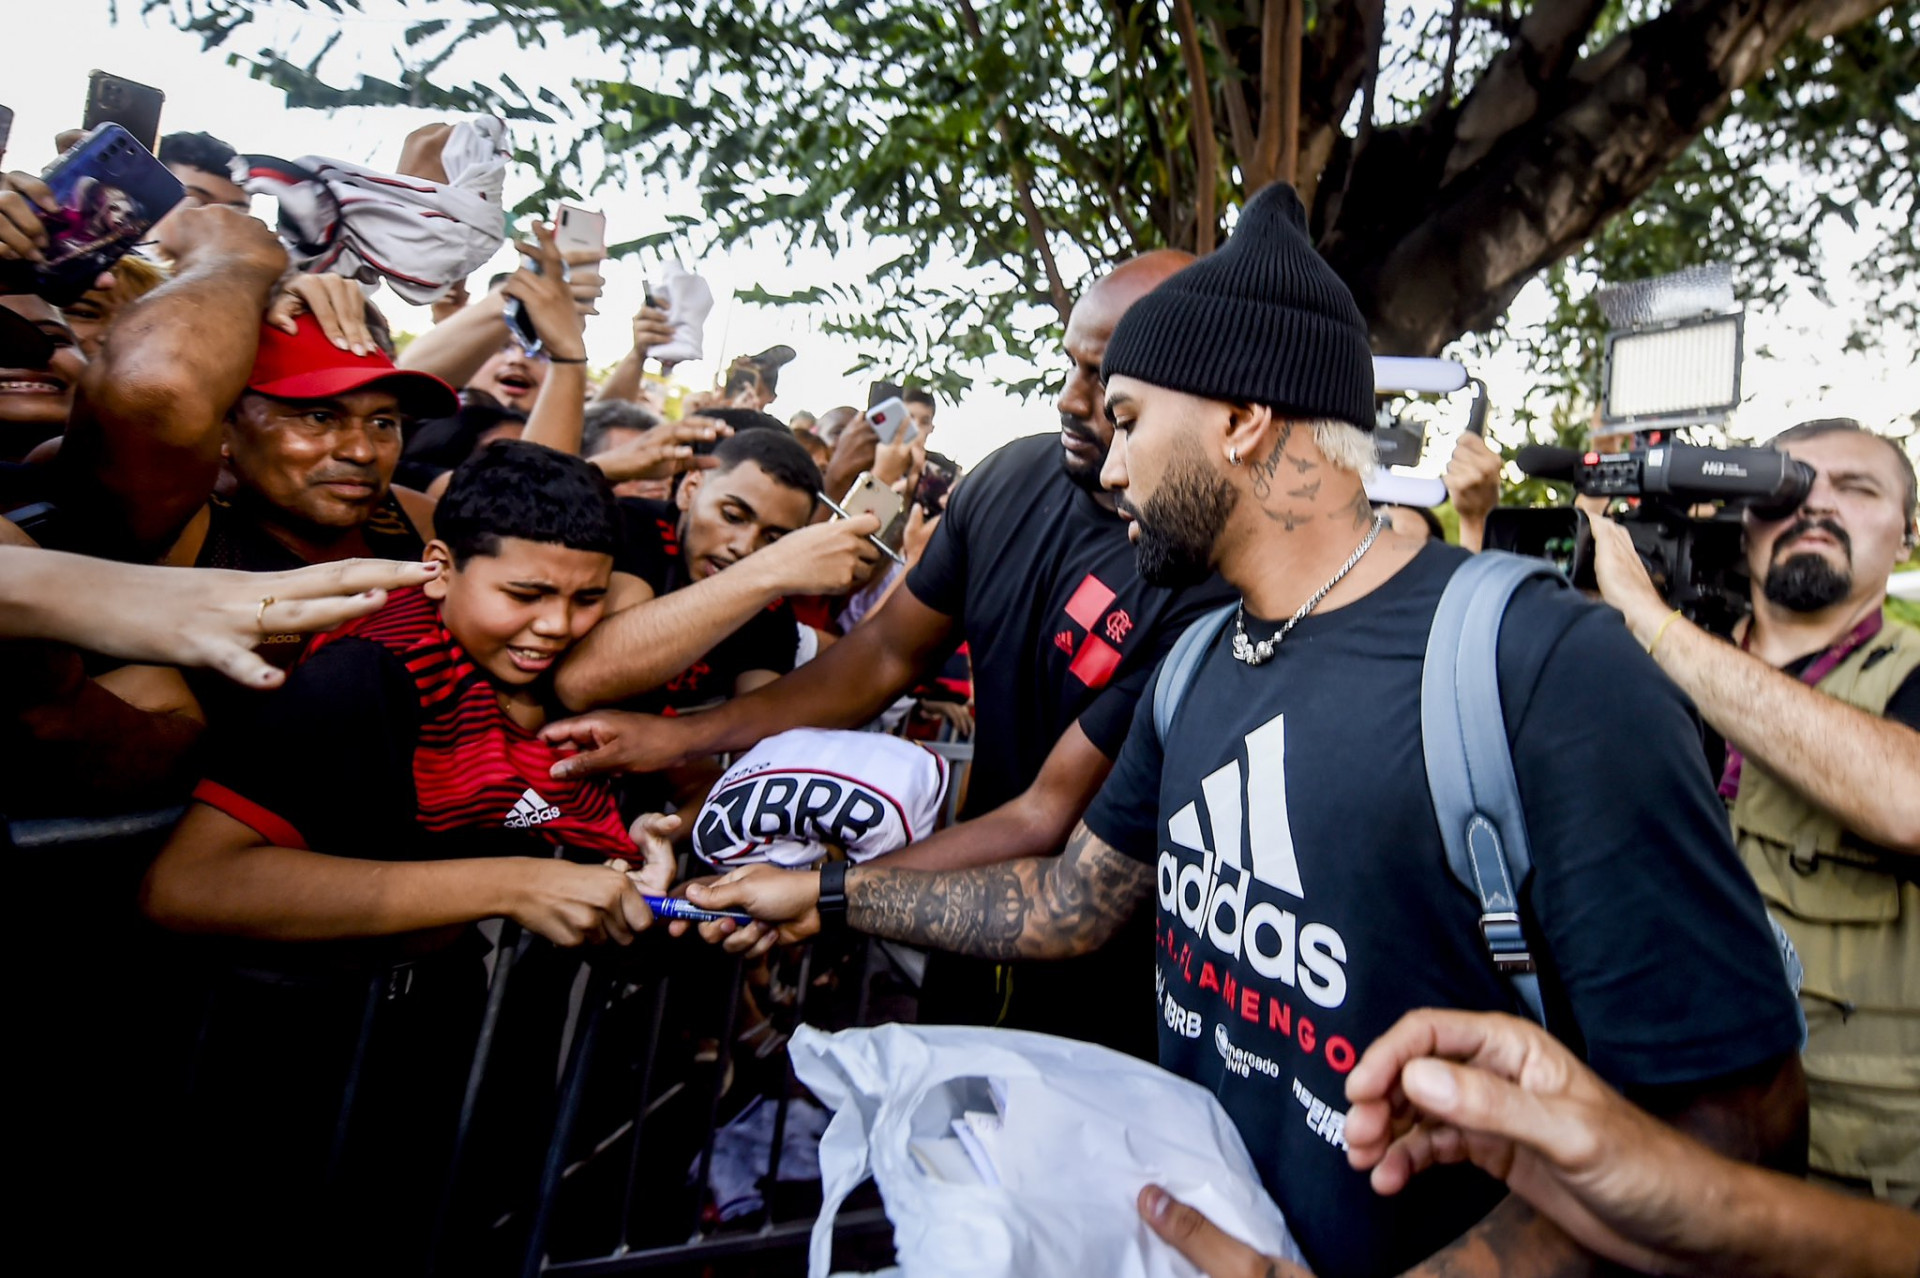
[1039, 907]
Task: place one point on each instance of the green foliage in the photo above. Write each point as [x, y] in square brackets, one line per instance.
[922, 127]
[1830, 131]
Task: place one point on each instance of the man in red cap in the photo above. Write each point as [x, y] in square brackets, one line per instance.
[195, 384]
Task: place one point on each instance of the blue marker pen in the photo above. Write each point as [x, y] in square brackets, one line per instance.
[673, 907]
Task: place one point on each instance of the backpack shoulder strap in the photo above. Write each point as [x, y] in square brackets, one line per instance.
[1178, 667]
[1463, 732]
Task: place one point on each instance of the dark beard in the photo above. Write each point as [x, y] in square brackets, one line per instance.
[1807, 583]
[1179, 523]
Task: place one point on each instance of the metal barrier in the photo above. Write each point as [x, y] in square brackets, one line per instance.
[636, 1098]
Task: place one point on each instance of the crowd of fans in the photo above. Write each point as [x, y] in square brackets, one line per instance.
[459, 632]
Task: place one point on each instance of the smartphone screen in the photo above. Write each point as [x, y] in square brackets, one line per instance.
[6, 129]
[133, 106]
[935, 482]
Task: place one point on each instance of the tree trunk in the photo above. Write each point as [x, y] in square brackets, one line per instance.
[1444, 220]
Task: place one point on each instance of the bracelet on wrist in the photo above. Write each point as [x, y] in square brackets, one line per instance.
[561, 359]
[833, 895]
[1661, 633]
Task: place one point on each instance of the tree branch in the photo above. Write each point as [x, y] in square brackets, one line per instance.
[1273, 18]
[1239, 118]
[1023, 189]
[1288, 163]
[1432, 250]
[1205, 148]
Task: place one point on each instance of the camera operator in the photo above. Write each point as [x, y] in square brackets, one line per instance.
[1819, 701]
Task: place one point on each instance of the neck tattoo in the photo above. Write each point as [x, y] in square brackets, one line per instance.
[1255, 654]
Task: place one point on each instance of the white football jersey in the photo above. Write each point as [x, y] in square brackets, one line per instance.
[795, 794]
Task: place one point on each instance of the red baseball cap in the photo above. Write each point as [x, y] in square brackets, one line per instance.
[305, 365]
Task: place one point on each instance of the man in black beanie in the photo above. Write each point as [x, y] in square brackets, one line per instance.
[1284, 827]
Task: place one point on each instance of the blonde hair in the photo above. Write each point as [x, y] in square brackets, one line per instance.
[1344, 445]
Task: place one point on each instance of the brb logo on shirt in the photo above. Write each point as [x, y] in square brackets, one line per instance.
[1215, 893]
[769, 806]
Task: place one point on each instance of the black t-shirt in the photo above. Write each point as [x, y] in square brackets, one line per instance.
[1292, 799]
[1060, 627]
[770, 640]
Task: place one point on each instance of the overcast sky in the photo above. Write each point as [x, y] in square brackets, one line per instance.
[1807, 374]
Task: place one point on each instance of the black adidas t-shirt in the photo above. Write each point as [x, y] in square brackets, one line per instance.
[1304, 901]
[1060, 627]
[770, 640]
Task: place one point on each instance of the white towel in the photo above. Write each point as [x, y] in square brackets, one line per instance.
[421, 237]
[689, 302]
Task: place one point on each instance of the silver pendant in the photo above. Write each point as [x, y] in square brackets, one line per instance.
[1254, 654]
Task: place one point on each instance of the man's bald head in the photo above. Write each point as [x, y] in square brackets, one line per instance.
[1084, 429]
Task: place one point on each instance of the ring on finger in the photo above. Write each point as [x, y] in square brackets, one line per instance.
[260, 614]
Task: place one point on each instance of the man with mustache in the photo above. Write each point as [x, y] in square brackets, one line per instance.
[1818, 698]
[1031, 568]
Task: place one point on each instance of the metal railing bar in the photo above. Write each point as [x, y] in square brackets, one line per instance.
[350, 1090]
[722, 1061]
[503, 954]
[793, 1235]
[600, 989]
[644, 1112]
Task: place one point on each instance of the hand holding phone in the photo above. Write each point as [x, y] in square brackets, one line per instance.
[887, 417]
[106, 194]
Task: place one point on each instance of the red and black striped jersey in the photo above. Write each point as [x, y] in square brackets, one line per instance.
[387, 722]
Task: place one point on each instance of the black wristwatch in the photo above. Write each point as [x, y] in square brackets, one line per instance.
[833, 895]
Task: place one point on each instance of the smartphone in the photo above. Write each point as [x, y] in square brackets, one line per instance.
[133, 106]
[6, 129]
[520, 324]
[869, 496]
[577, 230]
[936, 481]
[109, 191]
[887, 417]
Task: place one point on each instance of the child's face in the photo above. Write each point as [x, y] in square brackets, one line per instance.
[516, 613]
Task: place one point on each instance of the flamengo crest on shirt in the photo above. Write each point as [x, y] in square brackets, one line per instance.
[530, 810]
[1212, 895]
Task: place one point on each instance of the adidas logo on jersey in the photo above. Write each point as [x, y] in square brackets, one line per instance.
[1212, 892]
[530, 810]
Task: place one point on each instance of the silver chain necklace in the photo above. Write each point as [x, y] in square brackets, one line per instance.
[1255, 654]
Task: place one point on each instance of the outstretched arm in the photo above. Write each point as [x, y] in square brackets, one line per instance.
[217, 875]
[1034, 908]
[843, 687]
[146, 429]
[1862, 768]
[642, 646]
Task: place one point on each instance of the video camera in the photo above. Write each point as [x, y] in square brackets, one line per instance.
[1694, 558]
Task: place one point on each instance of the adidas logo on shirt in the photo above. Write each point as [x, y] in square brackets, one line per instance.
[531, 810]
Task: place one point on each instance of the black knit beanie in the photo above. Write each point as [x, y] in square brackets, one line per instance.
[1263, 320]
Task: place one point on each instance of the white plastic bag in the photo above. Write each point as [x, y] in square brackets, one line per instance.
[1080, 1130]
